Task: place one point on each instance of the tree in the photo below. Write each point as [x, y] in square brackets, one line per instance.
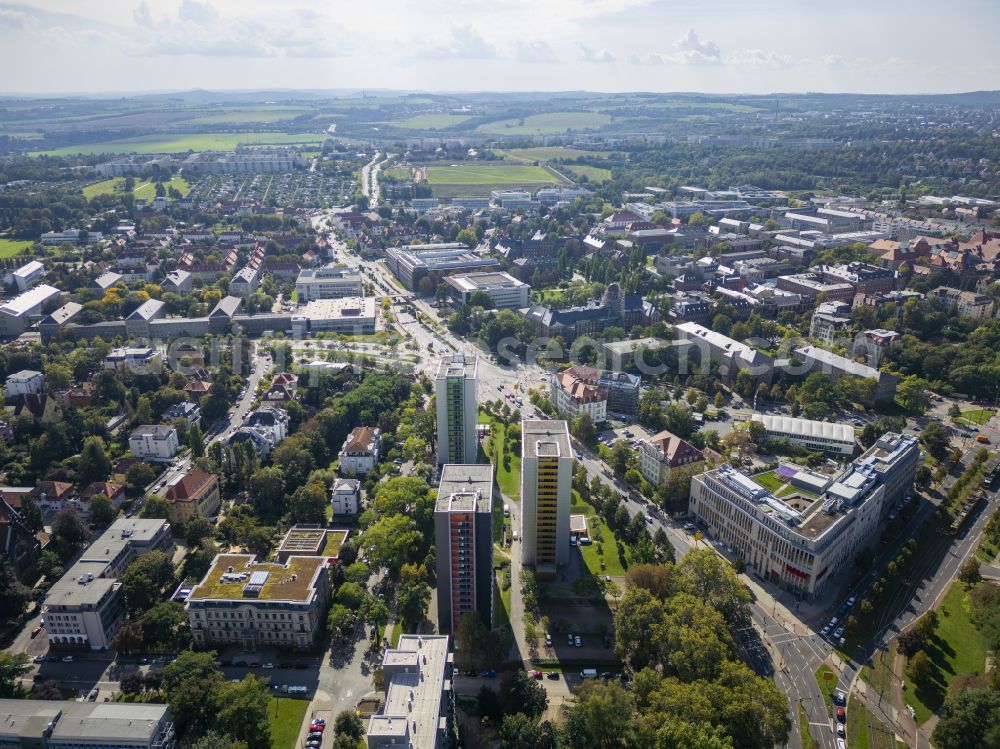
[476, 646]
[391, 540]
[691, 735]
[518, 731]
[969, 572]
[102, 511]
[340, 619]
[936, 439]
[144, 581]
[215, 740]
[267, 491]
[582, 428]
[242, 712]
[69, 531]
[520, 693]
[920, 670]
[196, 441]
[411, 603]
[467, 237]
[638, 614]
[198, 529]
[969, 720]
[348, 723]
[155, 507]
[192, 684]
[707, 576]
[601, 717]
[12, 667]
[912, 394]
[308, 503]
[94, 464]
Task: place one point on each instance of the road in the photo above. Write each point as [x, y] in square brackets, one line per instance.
[369, 179]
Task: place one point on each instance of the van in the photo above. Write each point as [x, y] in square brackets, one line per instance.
[588, 673]
[295, 689]
[513, 536]
[506, 511]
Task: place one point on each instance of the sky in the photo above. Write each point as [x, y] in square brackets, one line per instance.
[725, 46]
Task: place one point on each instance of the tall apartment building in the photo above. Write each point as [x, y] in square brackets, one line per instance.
[457, 410]
[546, 487]
[463, 537]
[419, 705]
[60, 724]
[806, 540]
[252, 604]
[85, 607]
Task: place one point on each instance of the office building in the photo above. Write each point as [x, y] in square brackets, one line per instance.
[811, 285]
[85, 608]
[26, 276]
[463, 538]
[873, 345]
[623, 392]
[328, 282]
[252, 604]
[193, 494]
[419, 707]
[662, 453]
[546, 488]
[574, 391]
[62, 724]
[865, 278]
[351, 315]
[505, 291]
[457, 409]
[806, 540]
[411, 264]
[16, 314]
[820, 436]
[155, 443]
[731, 355]
[820, 360]
[360, 452]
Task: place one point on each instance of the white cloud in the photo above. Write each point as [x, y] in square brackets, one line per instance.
[202, 14]
[15, 18]
[758, 58]
[534, 52]
[591, 54]
[691, 50]
[464, 43]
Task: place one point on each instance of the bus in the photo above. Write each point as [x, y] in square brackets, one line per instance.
[960, 520]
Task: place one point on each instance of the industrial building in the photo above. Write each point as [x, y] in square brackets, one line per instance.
[411, 264]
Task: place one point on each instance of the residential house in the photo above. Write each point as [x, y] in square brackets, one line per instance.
[360, 452]
[190, 412]
[153, 442]
[25, 382]
[574, 391]
[53, 496]
[662, 453]
[345, 497]
[194, 494]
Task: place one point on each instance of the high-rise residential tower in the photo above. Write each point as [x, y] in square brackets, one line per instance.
[457, 410]
[546, 488]
[463, 537]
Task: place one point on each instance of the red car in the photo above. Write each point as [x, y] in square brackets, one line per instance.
[841, 715]
[317, 727]
[537, 674]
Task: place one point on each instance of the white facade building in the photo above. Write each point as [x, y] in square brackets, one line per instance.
[505, 291]
[25, 382]
[328, 282]
[823, 436]
[155, 443]
[345, 497]
[546, 494]
[360, 452]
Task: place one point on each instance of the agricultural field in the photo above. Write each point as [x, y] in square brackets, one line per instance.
[592, 173]
[398, 172]
[550, 123]
[184, 142]
[11, 247]
[252, 115]
[480, 179]
[431, 121]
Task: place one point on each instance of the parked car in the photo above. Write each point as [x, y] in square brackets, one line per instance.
[68, 659]
[537, 674]
[839, 698]
[841, 715]
[569, 639]
[553, 675]
[577, 641]
[548, 640]
[851, 601]
[838, 633]
[489, 674]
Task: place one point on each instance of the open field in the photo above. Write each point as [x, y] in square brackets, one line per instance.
[252, 115]
[977, 417]
[601, 556]
[508, 469]
[398, 172]
[146, 190]
[286, 715]
[769, 481]
[957, 648]
[183, 142]
[551, 153]
[550, 123]
[11, 247]
[430, 121]
[592, 173]
[488, 174]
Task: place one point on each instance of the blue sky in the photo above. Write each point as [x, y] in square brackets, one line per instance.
[878, 46]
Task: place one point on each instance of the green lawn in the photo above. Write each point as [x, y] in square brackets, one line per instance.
[605, 551]
[958, 648]
[431, 121]
[827, 681]
[489, 174]
[398, 172]
[550, 123]
[592, 173]
[508, 472]
[142, 189]
[253, 115]
[12, 247]
[395, 633]
[769, 481]
[857, 724]
[550, 153]
[501, 613]
[978, 416]
[808, 742]
[286, 715]
[183, 142]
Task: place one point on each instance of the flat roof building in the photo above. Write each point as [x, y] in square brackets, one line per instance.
[419, 706]
[353, 315]
[822, 436]
[546, 487]
[328, 282]
[457, 407]
[463, 537]
[732, 355]
[16, 313]
[505, 291]
[61, 724]
[804, 537]
[411, 264]
[836, 366]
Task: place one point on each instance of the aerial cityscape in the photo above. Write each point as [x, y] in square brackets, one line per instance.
[460, 375]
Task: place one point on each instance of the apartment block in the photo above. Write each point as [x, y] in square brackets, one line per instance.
[457, 410]
[546, 488]
[360, 452]
[155, 443]
[463, 537]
